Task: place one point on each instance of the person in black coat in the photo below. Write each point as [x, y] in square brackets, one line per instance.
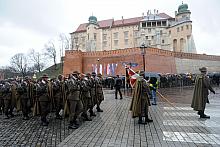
[118, 84]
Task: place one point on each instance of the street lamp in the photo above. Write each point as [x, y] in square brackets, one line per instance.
[142, 47]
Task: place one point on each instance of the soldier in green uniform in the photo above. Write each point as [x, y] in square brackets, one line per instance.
[25, 91]
[140, 101]
[85, 96]
[43, 91]
[58, 95]
[73, 97]
[100, 95]
[201, 92]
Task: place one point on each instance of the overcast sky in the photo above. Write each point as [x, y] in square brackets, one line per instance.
[26, 24]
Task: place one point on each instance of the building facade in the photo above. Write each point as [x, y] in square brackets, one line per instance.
[156, 30]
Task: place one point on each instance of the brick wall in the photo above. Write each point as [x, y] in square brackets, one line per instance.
[156, 60]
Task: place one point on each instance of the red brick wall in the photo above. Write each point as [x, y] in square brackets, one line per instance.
[156, 60]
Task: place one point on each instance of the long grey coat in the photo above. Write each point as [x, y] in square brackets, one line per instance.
[201, 92]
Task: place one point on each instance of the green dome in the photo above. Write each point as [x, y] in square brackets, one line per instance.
[93, 20]
[183, 8]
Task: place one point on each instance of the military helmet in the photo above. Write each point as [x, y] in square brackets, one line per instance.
[99, 74]
[45, 76]
[75, 73]
[203, 69]
[93, 74]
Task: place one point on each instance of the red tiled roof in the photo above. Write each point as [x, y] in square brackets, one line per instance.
[164, 15]
[117, 23]
[129, 21]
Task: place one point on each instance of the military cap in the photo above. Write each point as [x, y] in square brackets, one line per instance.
[93, 74]
[88, 74]
[45, 76]
[203, 69]
[99, 74]
[75, 73]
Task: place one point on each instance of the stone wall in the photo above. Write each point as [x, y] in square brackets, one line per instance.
[156, 60]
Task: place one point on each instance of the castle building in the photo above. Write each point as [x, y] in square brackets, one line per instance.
[155, 30]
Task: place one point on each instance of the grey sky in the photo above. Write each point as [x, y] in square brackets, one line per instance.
[26, 24]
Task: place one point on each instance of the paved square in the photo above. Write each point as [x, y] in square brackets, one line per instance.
[172, 126]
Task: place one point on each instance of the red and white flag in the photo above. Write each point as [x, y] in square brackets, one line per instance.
[133, 76]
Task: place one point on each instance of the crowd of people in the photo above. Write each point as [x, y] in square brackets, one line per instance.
[75, 97]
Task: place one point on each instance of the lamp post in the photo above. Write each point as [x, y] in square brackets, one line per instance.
[143, 54]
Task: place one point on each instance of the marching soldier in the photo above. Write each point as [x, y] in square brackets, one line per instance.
[7, 97]
[91, 81]
[73, 97]
[26, 94]
[85, 97]
[43, 91]
[59, 93]
[100, 95]
[140, 101]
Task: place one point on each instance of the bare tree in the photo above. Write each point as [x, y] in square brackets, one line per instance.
[51, 52]
[19, 63]
[37, 59]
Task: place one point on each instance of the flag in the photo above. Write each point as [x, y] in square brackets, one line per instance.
[133, 76]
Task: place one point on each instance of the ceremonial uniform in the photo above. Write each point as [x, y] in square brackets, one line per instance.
[73, 97]
[140, 101]
[201, 92]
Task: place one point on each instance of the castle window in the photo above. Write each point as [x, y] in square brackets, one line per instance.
[152, 37]
[146, 37]
[95, 35]
[104, 36]
[115, 35]
[148, 24]
[162, 41]
[161, 32]
[126, 41]
[88, 36]
[182, 28]
[159, 23]
[143, 24]
[149, 42]
[149, 30]
[178, 29]
[187, 27]
[169, 32]
[125, 34]
[104, 43]
[154, 24]
[116, 42]
[164, 23]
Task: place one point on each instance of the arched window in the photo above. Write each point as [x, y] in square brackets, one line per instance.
[182, 44]
[174, 45]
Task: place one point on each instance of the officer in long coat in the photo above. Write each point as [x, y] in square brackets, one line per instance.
[201, 92]
[140, 101]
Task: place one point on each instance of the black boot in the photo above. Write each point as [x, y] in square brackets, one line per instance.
[147, 119]
[99, 110]
[72, 126]
[86, 117]
[91, 113]
[202, 115]
[140, 121]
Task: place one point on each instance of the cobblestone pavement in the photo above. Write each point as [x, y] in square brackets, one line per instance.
[172, 126]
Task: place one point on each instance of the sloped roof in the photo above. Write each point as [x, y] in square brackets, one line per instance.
[118, 23]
